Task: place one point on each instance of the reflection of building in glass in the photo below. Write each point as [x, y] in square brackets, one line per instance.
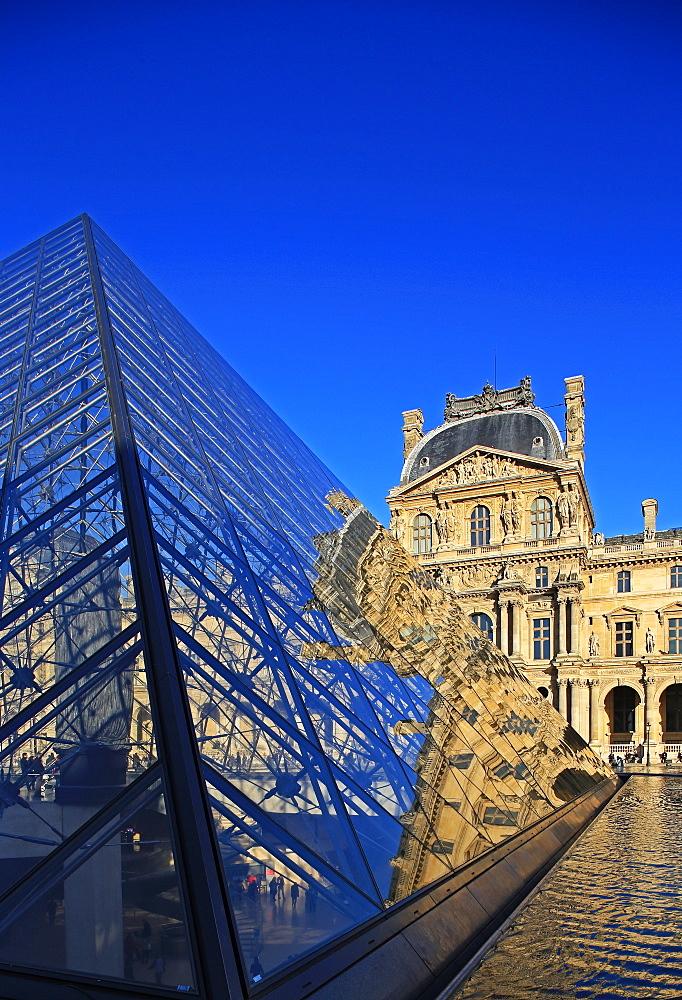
[233, 708]
[595, 623]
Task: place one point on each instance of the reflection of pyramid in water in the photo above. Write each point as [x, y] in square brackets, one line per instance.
[196, 788]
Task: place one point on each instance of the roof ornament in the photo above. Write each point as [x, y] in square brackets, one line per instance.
[489, 400]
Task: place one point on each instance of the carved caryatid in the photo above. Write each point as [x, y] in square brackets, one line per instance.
[489, 400]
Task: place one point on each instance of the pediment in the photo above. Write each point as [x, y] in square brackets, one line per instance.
[479, 465]
[624, 611]
[670, 610]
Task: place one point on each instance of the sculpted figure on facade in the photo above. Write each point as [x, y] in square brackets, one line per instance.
[575, 425]
[563, 510]
[526, 396]
[650, 641]
[593, 644]
[598, 538]
[506, 516]
[573, 505]
[488, 467]
[441, 522]
[452, 524]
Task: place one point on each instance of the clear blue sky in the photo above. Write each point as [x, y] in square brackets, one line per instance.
[356, 202]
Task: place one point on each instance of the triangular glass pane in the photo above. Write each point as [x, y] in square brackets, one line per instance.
[277, 923]
[112, 908]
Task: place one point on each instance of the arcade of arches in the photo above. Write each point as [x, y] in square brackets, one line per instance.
[494, 504]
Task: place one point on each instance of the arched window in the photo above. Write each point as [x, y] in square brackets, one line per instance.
[480, 525]
[624, 582]
[143, 728]
[542, 576]
[541, 518]
[676, 576]
[625, 701]
[673, 708]
[485, 623]
[422, 534]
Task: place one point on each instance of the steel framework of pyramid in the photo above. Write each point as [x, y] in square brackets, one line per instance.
[238, 722]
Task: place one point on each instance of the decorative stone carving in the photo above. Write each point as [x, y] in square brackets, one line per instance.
[413, 430]
[650, 641]
[575, 425]
[489, 400]
[476, 468]
[567, 505]
[473, 577]
[510, 515]
[593, 644]
[508, 572]
[598, 538]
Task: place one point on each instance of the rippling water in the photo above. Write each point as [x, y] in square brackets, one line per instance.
[608, 922]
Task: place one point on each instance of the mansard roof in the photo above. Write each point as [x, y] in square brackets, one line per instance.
[523, 430]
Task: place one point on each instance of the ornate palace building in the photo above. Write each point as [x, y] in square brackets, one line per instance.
[495, 504]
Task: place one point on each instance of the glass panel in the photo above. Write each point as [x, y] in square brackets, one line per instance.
[112, 909]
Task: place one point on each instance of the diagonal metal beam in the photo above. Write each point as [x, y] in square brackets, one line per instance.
[200, 866]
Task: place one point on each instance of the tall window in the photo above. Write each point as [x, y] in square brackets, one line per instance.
[675, 635]
[541, 518]
[485, 624]
[624, 642]
[480, 525]
[676, 576]
[624, 704]
[673, 708]
[542, 576]
[624, 582]
[422, 534]
[541, 638]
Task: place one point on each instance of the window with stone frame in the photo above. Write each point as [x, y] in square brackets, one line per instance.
[479, 523]
[676, 576]
[624, 581]
[541, 576]
[625, 638]
[675, 635]
[485, 623]
[422, 534]
[541, 521]
[541, 638]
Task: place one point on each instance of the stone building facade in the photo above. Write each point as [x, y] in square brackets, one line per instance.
[494, 502]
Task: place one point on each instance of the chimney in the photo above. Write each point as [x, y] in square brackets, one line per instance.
[413, 429]
[575, 418]
[649, 510]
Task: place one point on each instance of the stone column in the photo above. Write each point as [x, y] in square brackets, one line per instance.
[504, 627]
[520, 630]
[595, 734]
[651, 712]
[563, 697]
[561, 612]
[579, 706]
[575, 625]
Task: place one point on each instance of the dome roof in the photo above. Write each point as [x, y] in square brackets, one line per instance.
[523, 431]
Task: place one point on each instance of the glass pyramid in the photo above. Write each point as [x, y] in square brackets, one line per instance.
[237, 720]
